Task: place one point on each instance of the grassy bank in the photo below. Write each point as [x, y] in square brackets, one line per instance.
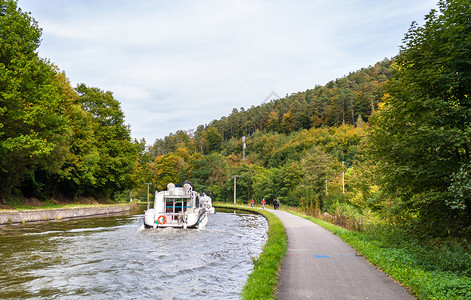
[431, 271]
[262, 282]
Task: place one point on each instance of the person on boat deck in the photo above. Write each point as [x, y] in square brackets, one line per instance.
[263, 203]
[252, 202]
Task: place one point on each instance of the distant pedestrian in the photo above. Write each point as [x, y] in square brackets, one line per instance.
[252, 202]
[263, 203]
[276, 203]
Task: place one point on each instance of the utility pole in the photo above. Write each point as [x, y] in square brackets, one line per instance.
[343, 178]
[235, 187]
[243, 148]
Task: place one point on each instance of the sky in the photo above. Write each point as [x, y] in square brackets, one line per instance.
[177, 64]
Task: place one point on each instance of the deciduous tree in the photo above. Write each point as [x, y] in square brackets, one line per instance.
[421, 136]
[33, 130]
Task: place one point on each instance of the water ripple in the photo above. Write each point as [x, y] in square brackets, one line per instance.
[114, 257]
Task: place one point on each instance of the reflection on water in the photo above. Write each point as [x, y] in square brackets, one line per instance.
[115, 258]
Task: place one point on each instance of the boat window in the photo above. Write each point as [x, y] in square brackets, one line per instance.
[169, 206]
[178, 207]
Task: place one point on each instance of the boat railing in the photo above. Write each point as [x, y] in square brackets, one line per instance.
[170, 217]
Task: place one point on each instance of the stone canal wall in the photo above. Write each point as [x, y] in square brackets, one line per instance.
[34, 215]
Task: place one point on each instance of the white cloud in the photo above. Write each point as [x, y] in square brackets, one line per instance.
[178, 64]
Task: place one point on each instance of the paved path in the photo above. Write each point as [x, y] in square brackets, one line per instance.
[319, 265]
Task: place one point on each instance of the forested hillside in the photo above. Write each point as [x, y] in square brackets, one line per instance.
[343, 101]
[295, 145]
[348, 100]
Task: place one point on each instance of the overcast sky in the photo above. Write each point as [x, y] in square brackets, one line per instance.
[177, 64]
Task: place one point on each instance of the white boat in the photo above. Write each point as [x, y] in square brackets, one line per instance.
[205, 201]
[176, 207]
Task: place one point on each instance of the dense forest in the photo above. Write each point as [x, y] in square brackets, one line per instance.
[387, 142]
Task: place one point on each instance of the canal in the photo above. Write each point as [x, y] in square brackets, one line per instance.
[114, 257]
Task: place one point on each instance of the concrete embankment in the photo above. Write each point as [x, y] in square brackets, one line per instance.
[34, 215]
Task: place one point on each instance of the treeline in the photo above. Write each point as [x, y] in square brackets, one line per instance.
[297, 168]
[347, 100]
[314, 162]
[55, 141]
[298, 147]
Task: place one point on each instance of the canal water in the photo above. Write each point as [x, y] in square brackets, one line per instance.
[114, 257]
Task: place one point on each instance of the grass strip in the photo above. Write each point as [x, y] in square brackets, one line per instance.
[262, 283]
[430, 272]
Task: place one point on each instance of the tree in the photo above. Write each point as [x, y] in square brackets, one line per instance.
[213, 138]
[209, 174]
[273, 121]
[316, 168]
[292, 178]
[81, 161]
[421, 135]
[117, 154]
[287, 122]
[33, 130]
[166, 168]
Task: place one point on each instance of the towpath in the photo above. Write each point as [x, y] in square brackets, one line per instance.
[319, 265]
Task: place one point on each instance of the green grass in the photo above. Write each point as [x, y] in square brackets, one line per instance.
[263, 281]
[430, 271]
